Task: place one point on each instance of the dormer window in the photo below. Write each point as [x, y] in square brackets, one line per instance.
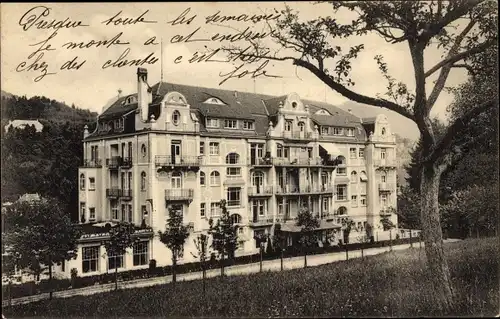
[176, 117]
[324, 130]
[288, 126]
[130, 100]
[248, 125]
[294, 105]
[231, 124]
[350, 131]
[383, 131]
[301, 126]
[212, 123]
[214, 100]
[338, 131]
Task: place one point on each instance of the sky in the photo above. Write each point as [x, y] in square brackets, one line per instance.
[92, 87]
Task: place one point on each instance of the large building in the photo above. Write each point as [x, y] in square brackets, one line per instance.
[188, 147]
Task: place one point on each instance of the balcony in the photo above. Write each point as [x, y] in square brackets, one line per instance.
[304, 162]
[114, 162]
[113, 193]
[297, 136]
[386, 187]
[92, 163]
[261, 161]
[126, 194]
[186, 162]
[233, 203]
[180, 194]
[260, 191]
[126, 162]
[261, 220]
[387, 162]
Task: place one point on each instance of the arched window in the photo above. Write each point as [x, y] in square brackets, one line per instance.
[176, 180]
[258, 178]
[341, 211]
[82, 181]
[214, 178]
[383, 131]
[383, 177]
[176, 117]
[202, 178]
[324, 179]
[235, 219]
[301, 126]
[341, 160]
[362, 176]
[354, 177]
[232, 158]
[279, 150]
[143, 181]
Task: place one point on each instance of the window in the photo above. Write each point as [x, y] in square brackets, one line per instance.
[115, 261]
[214, 178]
[82, 182]
[354, 201]
[233, 196]
[202, 178]
[92, 183]
[90, 258]
[82, 210]
[363, 177]
[383, 153]
[212, 123]
[352, 152]
[288, 126]
[383, 131]
[176, 180]
[176, 117]
[233, 171]
[258, 178]
[235, 219]
[361, 153]
[247, 125]
[144, 150]
[383, 200]
[214, 100]
[214, 148]
[124, 212]
[341, 171]
[294, 104]
[114, 210]
[232, 158]
[338, 131]
[202, 148]
[383, 177]
[92, 213]
[214, 209]
[326, 204]
[354, 177]
[350, 131]
[342, 211]
[202, 209]
[301, 126]
[230, 124]
[258, 206]
[362, 200]
[279, 150]
[324, 130]
[140, 252]
[324, 179]
[143, 181]
[129, 213]
[342, 192]
[129, 151]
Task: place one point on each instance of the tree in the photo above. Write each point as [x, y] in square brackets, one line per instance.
[408, 208]
[260, 239]
[39, 234]
[422, 26]
[308, 224]
[201, 244]
[174, 237]
[279, 240]
[347, 225]
[120, 238]
[224, 235]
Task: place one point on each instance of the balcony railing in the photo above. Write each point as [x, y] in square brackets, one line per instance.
[92, 163]
[260, 190]
[261, 219]
[113, 162]
[113, 192]
[126, 194]
[283, 161]
[233, 203]
[387, 162]
[386, 187]
[179, 194]
[126, 162]
[261, 161]
[297, 135]
[186, 161]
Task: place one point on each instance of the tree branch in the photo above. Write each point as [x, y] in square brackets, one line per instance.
[462, 55]
[469, 68]
[445, 70]
[446, 142]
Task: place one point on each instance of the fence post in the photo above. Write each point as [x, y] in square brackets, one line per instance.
[346, 252]
[390, 239]
[411, 243]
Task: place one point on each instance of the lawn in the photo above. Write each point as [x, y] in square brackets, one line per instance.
[388, 285]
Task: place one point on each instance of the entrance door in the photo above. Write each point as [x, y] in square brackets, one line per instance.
[175, 152]
[258, 181]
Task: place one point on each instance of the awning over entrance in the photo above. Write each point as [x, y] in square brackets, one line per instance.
[292, 228]
[330, 148]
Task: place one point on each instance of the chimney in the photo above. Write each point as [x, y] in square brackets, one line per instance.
[119, 93]
[85, 131]
[143, 93]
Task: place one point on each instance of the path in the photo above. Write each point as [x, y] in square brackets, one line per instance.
[268, 265]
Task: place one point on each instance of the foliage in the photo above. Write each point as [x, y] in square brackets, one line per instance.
[120, 239]
[175, 234]
[409, 208]
[201, 244]
[39, 234]
[279, 238]
[308, 224]
[347, 225]
[387, 224]
[46, 162]
[224, 234]
[473, 264]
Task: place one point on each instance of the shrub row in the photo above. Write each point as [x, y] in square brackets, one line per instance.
[31, 288]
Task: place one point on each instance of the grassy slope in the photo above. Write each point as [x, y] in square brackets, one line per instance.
[391, 284]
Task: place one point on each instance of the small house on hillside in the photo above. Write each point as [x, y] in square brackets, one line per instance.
[21, 124]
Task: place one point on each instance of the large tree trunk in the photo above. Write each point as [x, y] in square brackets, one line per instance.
[174, 275]
[432, 236]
